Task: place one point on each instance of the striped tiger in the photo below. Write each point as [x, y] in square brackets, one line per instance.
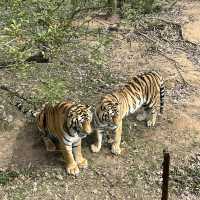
[144, 90]
[65, 124]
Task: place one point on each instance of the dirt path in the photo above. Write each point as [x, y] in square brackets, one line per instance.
[29, 172]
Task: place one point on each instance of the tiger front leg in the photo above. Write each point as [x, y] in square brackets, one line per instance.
[71, 165]
[152, 117]
[117, 140]
[80, 160]
[97, 145]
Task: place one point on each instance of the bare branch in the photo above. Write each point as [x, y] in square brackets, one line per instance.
[176, 64]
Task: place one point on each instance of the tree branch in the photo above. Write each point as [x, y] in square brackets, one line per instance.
[176, 64]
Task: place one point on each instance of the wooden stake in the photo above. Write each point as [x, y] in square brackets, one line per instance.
[165, 174]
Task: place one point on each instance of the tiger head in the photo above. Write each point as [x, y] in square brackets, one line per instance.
[79, 120]
[108, 113]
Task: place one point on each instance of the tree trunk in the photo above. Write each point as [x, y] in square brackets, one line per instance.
[148, 5]
[115, 6]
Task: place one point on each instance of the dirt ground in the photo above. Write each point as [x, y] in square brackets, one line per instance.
[27, 171]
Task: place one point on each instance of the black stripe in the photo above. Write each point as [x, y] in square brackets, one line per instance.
[130, 91]
[103, 117]
[74, 146]
[115, 98]
[135, 87]
[128, 87]
[66, 139]
[137, 81]
[60, 105]
[147, 94]
[144, 88]
[53, 138]
[151, 88]
[149, 79]
[78, 107]
[154, 79]
[162, 94]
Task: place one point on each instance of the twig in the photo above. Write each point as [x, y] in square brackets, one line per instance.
[78, 10]
[7, 43]
[103, 23]
[171, 5]
[14, 93]
[107, 180]
[78, 27]
[58, 6]
[176, 64]
[7, 65]
[101, 174]
[164, 20]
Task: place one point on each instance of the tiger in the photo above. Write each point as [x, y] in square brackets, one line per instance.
[63, 125]
[143, 90]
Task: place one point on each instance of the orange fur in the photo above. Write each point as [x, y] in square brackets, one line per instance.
[145, 89]
[66, 123]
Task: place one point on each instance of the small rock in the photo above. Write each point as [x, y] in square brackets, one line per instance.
[29, 114]
[59, 177]
[34, 186]
[134, 124]
[95, 191]
[141, 116]
[1, 107]
[46, 174]
[3, 116]
[9, 118]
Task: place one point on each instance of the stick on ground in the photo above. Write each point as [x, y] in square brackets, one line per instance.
[165, 174]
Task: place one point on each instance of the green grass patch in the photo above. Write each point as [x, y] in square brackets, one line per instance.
[6, 177]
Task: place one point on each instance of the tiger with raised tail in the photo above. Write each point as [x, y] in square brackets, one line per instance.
[65, 124]
[145, 89]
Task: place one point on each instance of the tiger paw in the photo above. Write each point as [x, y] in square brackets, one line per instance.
[150, 123]
[95, 148]
[116, 149]
[72, 169]
[83, 164]
[141, 117]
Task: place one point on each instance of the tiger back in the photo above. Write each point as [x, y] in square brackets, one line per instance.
[64, 125]
[144, 90]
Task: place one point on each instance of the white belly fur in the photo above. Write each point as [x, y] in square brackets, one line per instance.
[134, 108]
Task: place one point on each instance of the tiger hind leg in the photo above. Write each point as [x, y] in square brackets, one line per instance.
[152, 117]
[142, 116]
[117, 140]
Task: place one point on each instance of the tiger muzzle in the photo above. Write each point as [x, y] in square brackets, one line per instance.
[115, 120]
[87, 129]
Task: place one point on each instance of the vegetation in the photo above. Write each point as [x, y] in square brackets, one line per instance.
[31, 27]
[58, 32]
